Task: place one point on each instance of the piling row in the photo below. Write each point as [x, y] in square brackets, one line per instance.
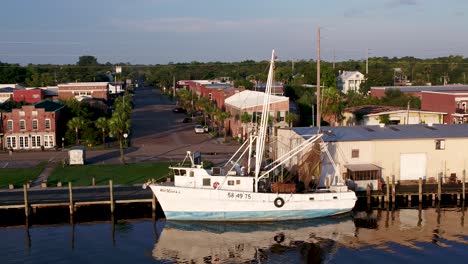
[391, 194]
[74, 204]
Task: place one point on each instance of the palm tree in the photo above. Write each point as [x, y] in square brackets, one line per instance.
[76, 124]
[103, 124]
[202, 105]
[221, 117]
[290, 119]
[245, 118]
[119, 124]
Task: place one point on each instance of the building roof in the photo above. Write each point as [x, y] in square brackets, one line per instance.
[49, 106]
[247, 99]
[435, 88]
[406, 111]
[362, 167]
[350, 74]
[372, 109]
[7, 90]
[389, 132]
[84, 84]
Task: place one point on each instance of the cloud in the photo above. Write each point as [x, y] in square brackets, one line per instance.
[400, 3]
[196, 25]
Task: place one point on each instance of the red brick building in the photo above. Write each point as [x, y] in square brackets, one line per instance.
[77, 90]
[379, 92]
[33, 126]
[215, 91]
[30, 96]
[453, 103]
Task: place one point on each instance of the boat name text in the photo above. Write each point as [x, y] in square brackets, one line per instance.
[169, 191]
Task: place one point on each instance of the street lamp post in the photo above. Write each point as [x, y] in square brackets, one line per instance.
[63, 143]
[125, 135]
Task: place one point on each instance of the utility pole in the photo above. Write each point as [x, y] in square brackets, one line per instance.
[367, 61]
[333, 58]
[318, 79]
[173, 86]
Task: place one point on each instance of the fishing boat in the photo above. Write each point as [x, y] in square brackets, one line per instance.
[234, 192]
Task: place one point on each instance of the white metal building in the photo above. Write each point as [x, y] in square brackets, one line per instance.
[401, 152]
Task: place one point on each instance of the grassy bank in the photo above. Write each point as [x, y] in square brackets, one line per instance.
[18, 177]
[124, 174]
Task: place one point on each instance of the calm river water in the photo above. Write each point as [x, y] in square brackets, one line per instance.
[379, 236]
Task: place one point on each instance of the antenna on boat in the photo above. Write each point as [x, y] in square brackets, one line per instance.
[318, 80]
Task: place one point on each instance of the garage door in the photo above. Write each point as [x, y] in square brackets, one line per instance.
[413, 166]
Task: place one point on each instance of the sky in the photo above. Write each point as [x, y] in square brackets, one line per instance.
[173, 31]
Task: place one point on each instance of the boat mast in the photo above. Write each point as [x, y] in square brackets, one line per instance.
[260, 144]
[318, 80]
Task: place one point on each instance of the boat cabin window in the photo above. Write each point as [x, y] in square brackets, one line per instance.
[180, 172]
[216, 171]
[237, 181]
[230, 182]
[192, 173]
[207, 182]
[355, 153]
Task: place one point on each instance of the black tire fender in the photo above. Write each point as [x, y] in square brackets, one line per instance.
[279, 202]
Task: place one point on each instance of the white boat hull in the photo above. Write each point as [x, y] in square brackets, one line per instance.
[179, 203]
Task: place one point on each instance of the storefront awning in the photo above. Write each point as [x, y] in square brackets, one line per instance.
[362, 167]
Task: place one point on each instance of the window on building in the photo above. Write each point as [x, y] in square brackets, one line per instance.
[47, 124]
[22, 124]
[11, 142]
[10, 125]
[23, 142]
[355, 153]
[34, 124]
[36, 141]
[48, 141]
[440, 144]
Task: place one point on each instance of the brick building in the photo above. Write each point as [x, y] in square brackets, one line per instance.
[379, 92]
[30, 96]
[33, 126]
[90, 89]
[453, 103]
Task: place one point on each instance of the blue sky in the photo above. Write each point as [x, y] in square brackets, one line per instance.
[163, 31]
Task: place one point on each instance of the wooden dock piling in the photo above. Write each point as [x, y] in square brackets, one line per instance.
[111, 191]
[463, 186]
[26, 204]
[368, 194]
[387, 200]
[71, 206]
[420, 190]
[439, 188]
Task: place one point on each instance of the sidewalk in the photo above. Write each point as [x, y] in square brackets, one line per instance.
[44, 174]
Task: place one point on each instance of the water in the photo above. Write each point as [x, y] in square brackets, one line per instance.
[401, 236]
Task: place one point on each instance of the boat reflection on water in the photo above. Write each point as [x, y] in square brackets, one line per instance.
[213, 242]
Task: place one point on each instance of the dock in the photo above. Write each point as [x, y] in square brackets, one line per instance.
[75, 197]
[419, 191]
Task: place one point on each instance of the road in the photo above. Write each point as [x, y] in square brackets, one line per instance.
[157, 134]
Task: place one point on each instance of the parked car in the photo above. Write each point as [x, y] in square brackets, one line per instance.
[199, 129]
[187, 120]
[178, 110]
